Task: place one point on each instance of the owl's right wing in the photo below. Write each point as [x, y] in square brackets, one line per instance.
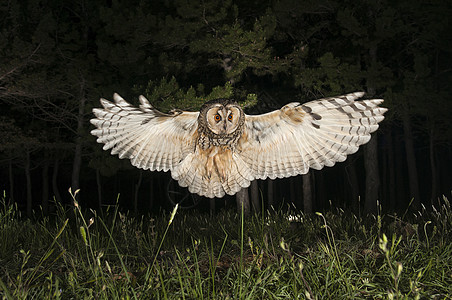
[149, 138]
[289, 141]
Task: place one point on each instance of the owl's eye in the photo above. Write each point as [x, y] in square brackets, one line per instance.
[230, 117]
[217, 118]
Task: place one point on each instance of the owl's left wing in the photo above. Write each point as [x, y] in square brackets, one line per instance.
[149, 138]
[297, 137]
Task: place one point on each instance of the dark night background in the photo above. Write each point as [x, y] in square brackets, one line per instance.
[59, 57]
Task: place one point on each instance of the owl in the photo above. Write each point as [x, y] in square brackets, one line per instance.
[220, 149]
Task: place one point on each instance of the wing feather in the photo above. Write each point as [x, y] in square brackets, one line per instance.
[297, 137]
[150, 139]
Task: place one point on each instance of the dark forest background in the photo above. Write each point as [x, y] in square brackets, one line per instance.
[57, 58]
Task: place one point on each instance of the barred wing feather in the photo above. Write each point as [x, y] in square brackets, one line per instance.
[150, 139]
[297, 137]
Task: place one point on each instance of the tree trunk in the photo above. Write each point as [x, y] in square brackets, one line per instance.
[307, 193]
[270, 193]
[99, 190]
[55, 189]
[45, 188]
[28, 178]
[255, 199]
[434, 183]
[411, 160]
[319, 188]
[372, 178]
[137, 189]
[371, 151]
[212, 206]
[151, 193]
[354, 186]
[243, 200]
[293, 192]
[77, 163]
[76, 166]
[391, 171]
[400, 172]
[11, 182]
[297, 191]
[384, 181]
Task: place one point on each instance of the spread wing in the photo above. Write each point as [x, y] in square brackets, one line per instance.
[297, 137]
[150, 139]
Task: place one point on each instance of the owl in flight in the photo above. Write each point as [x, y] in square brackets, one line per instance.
[220, 149]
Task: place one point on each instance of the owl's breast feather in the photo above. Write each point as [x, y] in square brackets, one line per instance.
[217, 161]
[213, 172]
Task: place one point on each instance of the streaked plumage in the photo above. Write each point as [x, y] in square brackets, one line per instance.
[221, 150]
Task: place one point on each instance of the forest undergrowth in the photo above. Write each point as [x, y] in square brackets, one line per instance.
[285, 254]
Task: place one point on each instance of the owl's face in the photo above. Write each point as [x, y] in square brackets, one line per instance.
[223, 118]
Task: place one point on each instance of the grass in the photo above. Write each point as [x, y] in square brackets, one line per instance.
[187, 255]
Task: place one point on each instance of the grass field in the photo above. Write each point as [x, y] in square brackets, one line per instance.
[186, 255]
